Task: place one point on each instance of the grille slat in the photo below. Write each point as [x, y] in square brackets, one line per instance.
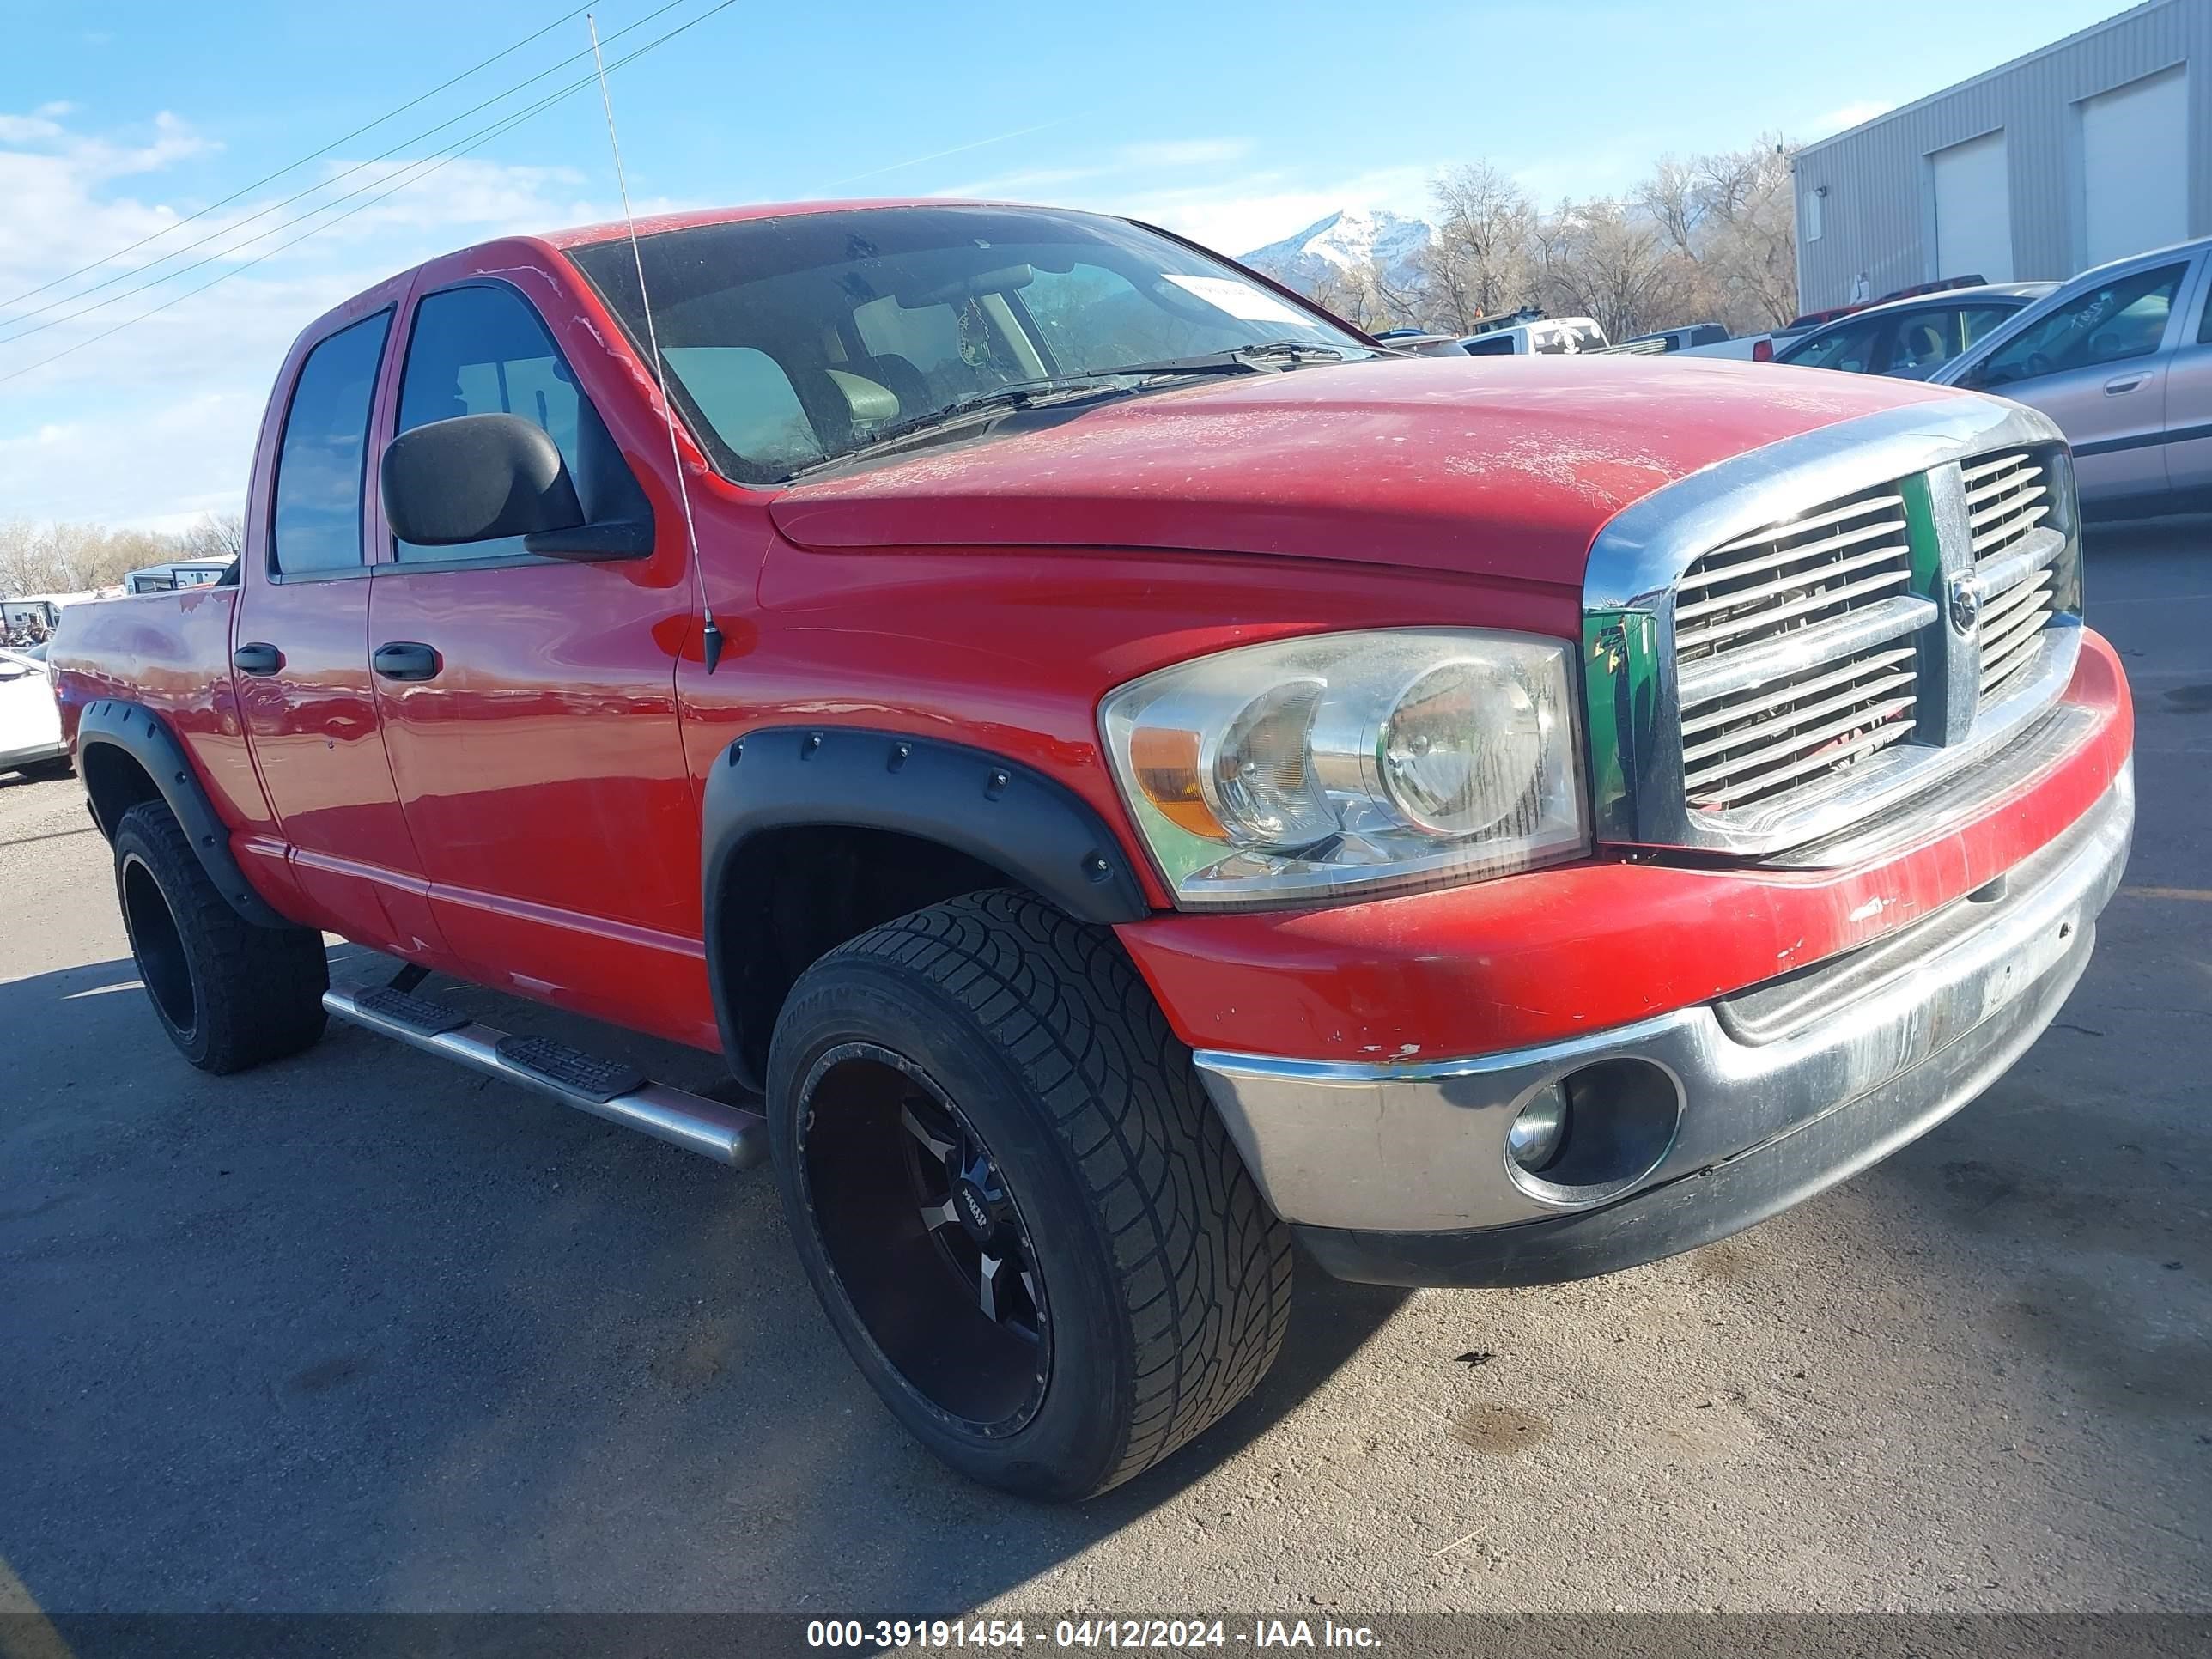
[1799, 649]
[1831, 760]
[1856, 695]
[1793, 690]
[2016, 461]
[1857, 507]
[2008, 497]
[1780, 585]
[1821, 601]
[2012, 601]
[2013, 501]
[1778, 621]
[1731, 563]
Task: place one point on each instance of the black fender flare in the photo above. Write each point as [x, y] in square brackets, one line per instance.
[1041, 833]
[142, 734]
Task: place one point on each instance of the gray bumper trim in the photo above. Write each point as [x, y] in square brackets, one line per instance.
[1421, 1147]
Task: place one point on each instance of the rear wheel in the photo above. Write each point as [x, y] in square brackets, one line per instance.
[229, 994]
[1022, 1215]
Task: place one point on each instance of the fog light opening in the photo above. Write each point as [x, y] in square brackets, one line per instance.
[1539, 1130]
[1589, 1136]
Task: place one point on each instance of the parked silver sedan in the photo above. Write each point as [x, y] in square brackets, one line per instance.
[1912, 338]
[2121, 357]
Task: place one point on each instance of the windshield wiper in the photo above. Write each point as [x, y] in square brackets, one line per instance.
[1095, 385]
[1015, 395]
[1269, 355]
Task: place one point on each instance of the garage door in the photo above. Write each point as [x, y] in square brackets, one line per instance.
[2135, 166]
[1973, 210]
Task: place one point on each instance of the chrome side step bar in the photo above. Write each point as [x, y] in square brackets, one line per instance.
[728, 1134]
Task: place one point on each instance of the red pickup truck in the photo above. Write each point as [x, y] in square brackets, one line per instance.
[1129, 770]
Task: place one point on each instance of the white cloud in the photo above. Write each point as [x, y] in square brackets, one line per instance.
[159, 422]
[1846, 115]
[26, 130]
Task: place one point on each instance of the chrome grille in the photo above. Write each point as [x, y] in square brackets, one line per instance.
[1778, 679]
[1795, 640]
[2008, 499]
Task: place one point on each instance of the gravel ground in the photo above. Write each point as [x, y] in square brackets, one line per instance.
[359, 1332]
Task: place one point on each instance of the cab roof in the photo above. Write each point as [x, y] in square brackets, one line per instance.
[692, 218]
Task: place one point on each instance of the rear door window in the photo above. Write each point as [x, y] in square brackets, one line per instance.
[321, 463]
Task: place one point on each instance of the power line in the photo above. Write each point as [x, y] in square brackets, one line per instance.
[289, 166]
[297, 196]
[427, 166]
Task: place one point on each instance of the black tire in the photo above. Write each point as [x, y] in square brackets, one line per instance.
[1165, 1280]
[230, 995]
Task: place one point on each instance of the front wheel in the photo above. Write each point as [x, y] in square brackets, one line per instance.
[229, 994]
[1022, 1217]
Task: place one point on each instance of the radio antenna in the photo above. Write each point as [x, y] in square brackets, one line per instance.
[710, 637]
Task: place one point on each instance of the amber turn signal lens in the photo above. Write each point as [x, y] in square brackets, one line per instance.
[1164, 764]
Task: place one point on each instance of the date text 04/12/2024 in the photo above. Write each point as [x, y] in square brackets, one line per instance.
[896, 1635]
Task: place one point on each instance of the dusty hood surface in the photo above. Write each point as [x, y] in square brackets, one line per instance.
[1498, 467]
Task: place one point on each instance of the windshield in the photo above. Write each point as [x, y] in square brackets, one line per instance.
[793, 341]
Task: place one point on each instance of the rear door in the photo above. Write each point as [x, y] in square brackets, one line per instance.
[2096, 364]
[299, 659]
[529, 707]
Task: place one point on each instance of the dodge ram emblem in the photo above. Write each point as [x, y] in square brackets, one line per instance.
[1965, 605]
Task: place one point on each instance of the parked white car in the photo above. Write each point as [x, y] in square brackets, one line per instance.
[30, 723]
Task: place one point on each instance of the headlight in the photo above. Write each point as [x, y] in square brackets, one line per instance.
[1343, 763]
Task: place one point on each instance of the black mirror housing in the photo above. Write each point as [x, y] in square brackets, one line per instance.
[474, 479]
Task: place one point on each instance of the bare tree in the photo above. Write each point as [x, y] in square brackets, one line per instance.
[68, 558]
[216, 535]
[1733, 214]
[1751, 230]
[1610, 261]
[1364, 297]
[1480, 263]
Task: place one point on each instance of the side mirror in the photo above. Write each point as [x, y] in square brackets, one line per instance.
[474, 479]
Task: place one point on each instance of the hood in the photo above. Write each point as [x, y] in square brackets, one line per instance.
[1503, 467]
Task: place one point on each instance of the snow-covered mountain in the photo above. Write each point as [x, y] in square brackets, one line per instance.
[1349, 237]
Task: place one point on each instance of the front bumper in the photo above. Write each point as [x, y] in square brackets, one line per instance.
[1398, 1174]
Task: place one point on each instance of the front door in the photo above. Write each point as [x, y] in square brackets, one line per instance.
[301, 659]
[529, 709]
[2095, 364]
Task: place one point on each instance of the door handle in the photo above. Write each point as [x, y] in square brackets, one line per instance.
[404, 659]
[257, 658]
[2124, 383]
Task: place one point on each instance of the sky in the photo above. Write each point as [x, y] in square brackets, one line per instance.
[1237, 122]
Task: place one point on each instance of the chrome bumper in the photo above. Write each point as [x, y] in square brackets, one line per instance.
[1873, 1049]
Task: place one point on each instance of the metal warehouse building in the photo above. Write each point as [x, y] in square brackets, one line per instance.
[2091, 149]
